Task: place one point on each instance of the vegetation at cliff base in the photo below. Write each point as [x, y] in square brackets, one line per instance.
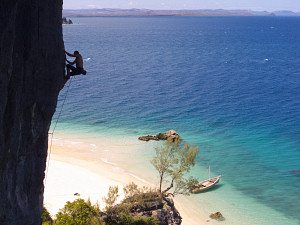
[141, 205]
[81, 212]
[46, 217]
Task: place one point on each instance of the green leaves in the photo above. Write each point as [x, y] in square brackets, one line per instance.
[46, 218]
[81, 212]
[127, 219]
[112, 197]
[78, 212]
[131, 189]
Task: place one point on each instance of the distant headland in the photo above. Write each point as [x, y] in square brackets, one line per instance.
[148, 12]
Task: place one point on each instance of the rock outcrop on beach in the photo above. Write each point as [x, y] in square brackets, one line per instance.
[166, 212]
[31, 71]
[217, 216]
[162, 209]
[170, 135]
[65, 21]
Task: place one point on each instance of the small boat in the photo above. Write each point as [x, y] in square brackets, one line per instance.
[205, 185]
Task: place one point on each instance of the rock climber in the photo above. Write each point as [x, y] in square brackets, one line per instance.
[71, 70]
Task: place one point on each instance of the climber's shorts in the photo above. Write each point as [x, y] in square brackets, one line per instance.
[75, 70]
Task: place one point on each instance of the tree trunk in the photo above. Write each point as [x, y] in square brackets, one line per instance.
[167, 189]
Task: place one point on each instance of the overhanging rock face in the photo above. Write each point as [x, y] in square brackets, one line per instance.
[31, 76]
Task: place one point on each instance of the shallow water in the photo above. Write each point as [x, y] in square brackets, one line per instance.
[228, 84]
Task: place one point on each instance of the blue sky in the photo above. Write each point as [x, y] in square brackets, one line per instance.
[258, 5]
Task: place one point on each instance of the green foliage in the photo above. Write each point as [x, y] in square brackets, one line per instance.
[138, 196]
[78, 212]
[148, 221]
[46, 218]
[131, 189]
[112, 196]
[173, 162]
[127, 219]
[183, 186]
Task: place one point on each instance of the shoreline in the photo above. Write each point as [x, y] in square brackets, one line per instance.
[68, 173]
[69, 169]
[88, 166]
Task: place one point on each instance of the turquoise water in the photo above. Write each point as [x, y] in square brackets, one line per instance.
[228, 84]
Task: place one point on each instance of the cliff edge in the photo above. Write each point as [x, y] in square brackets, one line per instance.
[31, 76]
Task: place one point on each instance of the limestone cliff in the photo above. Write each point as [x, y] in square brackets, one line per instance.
[31, 76]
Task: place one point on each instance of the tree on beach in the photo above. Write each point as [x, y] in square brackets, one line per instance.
[173, 161]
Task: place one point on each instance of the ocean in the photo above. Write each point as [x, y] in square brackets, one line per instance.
[230, 85]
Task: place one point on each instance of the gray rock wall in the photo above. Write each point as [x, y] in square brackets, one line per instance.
[31, 76]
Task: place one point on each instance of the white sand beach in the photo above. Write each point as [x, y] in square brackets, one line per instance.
[88, 167]
[71, 171]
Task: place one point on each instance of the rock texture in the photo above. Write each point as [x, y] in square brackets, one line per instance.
[217, 216]
[170, 135]
[167, 214]
[162, 209]
[31, 76]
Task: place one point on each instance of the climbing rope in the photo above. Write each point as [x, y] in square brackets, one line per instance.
[52, 133]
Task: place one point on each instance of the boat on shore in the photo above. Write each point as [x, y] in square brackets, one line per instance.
[206, 184]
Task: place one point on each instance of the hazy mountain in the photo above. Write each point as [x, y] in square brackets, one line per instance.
[147, 12]
[286, 13]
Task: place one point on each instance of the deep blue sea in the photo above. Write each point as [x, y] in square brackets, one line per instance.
[228, 84]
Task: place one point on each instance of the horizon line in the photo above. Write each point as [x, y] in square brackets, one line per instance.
[283, 10]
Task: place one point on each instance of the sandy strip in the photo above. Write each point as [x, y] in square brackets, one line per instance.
[71, 171]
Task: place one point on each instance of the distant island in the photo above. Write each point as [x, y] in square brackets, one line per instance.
[148, 12]
[65, 21]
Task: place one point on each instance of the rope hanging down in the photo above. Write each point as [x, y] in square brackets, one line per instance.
[55, 124]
